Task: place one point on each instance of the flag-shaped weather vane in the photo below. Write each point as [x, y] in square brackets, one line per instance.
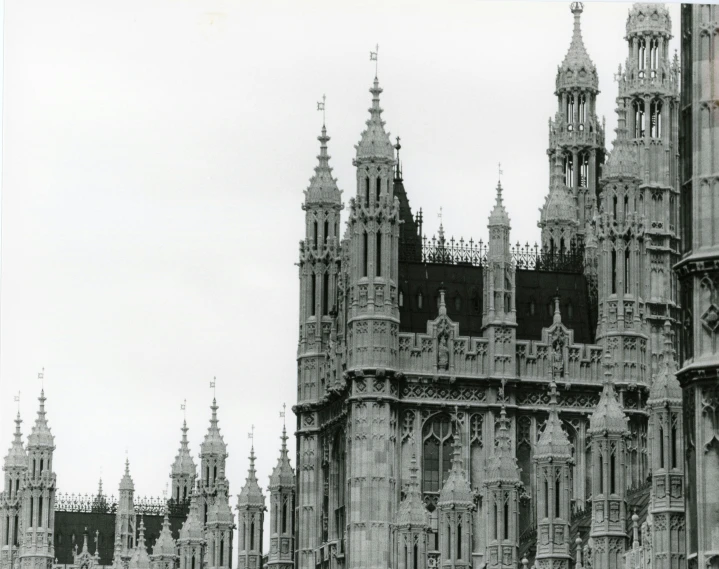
[41, 377]
[183, 408]
[16, 398]
[373, 57]
[212, 386]
[251, 435]
[282, 413]
[321, 107]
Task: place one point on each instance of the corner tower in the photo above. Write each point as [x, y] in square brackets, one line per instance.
[372, 346]
[282, 504]
[183, 471]
[649, 91]
[251, 508]
[213, 454]
[15, 467]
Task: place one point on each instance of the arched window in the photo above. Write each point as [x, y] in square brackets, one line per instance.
[378, 251]
[222, 551]
[457, 303]
[437, 440]
[325, 294]
[365, 253]
[614, 271]
[626, 270]
[674, 445]
[506, 517]
[415, 555]
[613, 472]
[327, 230]
[495, 520]
[655, 123]
[600, 471]
[366, 191]
[379, 187]
[532, 307]
[568, 170]
[419, 300]
[252, 535]
[314, 234]
[459, 541]
[449, 541]
[284, 516]
[401, 299]
[638, 108]
[661, 446]
[546, 498]
[557, 497]
[313, 307]
[641, 56]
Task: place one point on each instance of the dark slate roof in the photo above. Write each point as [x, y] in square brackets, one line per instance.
[535, 293]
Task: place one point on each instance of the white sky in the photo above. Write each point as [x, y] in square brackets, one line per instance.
[154, 157]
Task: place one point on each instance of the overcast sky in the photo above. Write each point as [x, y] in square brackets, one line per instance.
[154, 158]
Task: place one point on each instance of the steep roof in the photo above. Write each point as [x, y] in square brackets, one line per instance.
[213, 444]
[665, 387]
[164, 545]
[282, 475]
[456, 490]
[553, 441]
[502, 465]
[16, 456]
[251, 494]
[323, 187]
[577, 69]
[184, 463]
[40, 437]
[411, 511]
[608, 417]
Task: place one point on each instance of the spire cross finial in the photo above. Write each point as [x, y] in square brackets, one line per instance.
[373, 57]
[321, 107]
[212, 386]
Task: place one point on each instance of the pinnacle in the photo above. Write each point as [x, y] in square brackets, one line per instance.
[16, 457]
[375, 142]
[577, 69]
[499, 215]
[323, 187]
[213, 444]
[608, 417]
[40, 436]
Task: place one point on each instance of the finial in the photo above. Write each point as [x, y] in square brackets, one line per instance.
[41, 377]
[635, 530]
[212, 386]
[557, 310]
[251, 436]
[321, 107]
[282, 414]
[578, 542]
[17, 400]
[499, 177]
[668, 343]
[525, 562]
[577, 8]
[373, 57]
[183, 408]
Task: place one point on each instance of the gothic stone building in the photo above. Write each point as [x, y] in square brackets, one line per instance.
[193, 528]
[467, 404]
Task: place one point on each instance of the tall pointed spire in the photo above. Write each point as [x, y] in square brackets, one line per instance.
[499, 215]
[283, 475]
[126, 482]
[251, 493]
[16, 457]
[665, 386]
[184, 463]
[323, 187]
[553, 441]
[213, 442]
[411, 511]
[140, 559]
[577, 69]
[40, 436]
[456, 489]
[375, 142]
[165, 544]
[502, 465]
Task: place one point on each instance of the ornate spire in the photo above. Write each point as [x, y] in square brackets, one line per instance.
[649, 18]
[184, 464]
[374, 141]
[608, 417]
[140, 559]
[502, 465]
[554, 441]
[456, 489]
[323, 187]
[192, 528]
[559, 205]
[251, 494]
[164, 545]
[220, 511]
[213, 443]
[499, 214]
[411, 511]
[126, 483]
[16, 457]
[577, 69]
[282, 475]
[665, 387]
[40, 437]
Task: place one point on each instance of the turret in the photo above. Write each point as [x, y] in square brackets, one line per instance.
[213, 453]
[456, 506]
[576, 138]
[191, 542]
[499, 317]
[38, 495]
[558, 217]
[319, 273]
[667, 460]
[608, 430]
[220, 523]
[502, 486]
[251, 508]
[125, 516]
[15, 467]
[184, 471]
[649, 94]
[553, 457]
[412, 525]
[282, 504]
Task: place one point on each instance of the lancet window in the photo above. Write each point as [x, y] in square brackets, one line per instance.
[437, 440]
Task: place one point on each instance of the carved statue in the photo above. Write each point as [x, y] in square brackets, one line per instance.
[443, 353]
[557, 360]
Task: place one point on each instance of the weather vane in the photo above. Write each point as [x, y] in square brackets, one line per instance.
[373, 57]
[212, 386]
[499, 167]
[440, 215]
[183, 408]
[41, 377]
[321, 107]
[251, 435]
[282, 413]
[17, 400]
